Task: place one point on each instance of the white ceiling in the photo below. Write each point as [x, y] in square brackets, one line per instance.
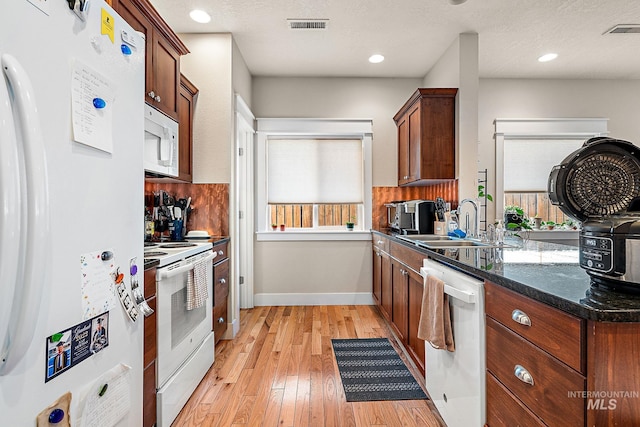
[413, 34]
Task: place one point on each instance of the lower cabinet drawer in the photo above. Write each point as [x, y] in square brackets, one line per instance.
[150, 335]
[219, 320]
[220, 281]
[149, 396]
[504, 410]
[536, 378]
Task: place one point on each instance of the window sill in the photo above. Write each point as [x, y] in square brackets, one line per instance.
[315, 235]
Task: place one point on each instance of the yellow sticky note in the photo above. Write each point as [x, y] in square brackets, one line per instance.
[107, 24]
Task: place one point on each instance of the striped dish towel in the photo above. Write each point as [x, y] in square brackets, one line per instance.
[197, 292]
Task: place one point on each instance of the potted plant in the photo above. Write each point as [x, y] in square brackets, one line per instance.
[513, 217]
[350, 224]
[550, 225]
[281, 227]
[274, 227]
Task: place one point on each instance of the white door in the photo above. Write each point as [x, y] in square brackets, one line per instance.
[242, 234]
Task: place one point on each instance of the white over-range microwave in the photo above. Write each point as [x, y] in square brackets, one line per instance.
[160, 143]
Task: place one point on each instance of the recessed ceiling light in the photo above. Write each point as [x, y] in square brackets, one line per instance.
[548, 57]
[200, 16]
[375, 59]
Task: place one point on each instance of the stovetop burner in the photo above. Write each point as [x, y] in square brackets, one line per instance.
[154, 253]
[177, 245]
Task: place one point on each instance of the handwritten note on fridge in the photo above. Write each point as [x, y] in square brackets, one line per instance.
[92, 98]
[97, 284]
[108, 399]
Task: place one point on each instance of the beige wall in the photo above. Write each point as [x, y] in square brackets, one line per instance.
[378, 99]
[209, 67]
[242, 80]
[328, 267]
[458, 67]
[540, 98]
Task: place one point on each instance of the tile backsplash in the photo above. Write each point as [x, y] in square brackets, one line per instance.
[448, 190]
[210, 204]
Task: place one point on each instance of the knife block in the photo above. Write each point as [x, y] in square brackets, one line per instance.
[440, 228]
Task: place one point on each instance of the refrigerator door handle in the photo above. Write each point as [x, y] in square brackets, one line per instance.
[10, 211]
[35, 265]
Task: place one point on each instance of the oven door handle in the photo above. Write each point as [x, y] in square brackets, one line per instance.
[166, 273]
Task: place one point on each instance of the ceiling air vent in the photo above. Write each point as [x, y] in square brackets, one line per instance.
[308, 24]
[624, 29]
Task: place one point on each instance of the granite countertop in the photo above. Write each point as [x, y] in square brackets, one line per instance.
[151, 263]
[546, 272]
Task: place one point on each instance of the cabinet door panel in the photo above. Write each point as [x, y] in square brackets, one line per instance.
[415, 151]
[399, 315]
[403, 150]
[166, 65]
[377, 277]
[386, 289]
[416, 345]
[186, 107]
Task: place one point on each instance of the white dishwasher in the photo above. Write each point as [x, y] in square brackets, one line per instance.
[456, 380]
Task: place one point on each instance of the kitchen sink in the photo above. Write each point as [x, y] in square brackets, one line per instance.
[460, 243]
[431, 241]
[425, 237]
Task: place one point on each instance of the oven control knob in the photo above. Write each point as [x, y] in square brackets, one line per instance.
[590, 263]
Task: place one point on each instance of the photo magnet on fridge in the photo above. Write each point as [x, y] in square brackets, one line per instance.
[68, 348]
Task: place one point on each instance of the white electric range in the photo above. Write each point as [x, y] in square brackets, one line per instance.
[184, 334]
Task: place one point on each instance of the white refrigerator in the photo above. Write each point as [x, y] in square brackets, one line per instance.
[71, 215]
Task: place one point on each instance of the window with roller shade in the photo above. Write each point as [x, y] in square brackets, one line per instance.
[528, 162]
[315, 182]
[313, 176]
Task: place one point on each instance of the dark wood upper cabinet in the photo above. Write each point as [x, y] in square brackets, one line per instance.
[426, 137]
[163, 50]
[186, 107]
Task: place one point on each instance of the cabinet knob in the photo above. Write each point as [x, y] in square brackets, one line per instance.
[157, 98]
[405, 177]
[520, 317]
[221, 320]
[522, 374]
[152, 95]
[220, 253]
[223, 281]
[380, 242]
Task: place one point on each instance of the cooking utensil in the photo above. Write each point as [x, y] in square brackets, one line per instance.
[441, 207]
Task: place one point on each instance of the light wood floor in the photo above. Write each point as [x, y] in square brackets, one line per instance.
[280, 371]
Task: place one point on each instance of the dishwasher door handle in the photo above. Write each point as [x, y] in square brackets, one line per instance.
[462, 295]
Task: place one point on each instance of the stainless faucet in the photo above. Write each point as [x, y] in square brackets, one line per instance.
[475, 217]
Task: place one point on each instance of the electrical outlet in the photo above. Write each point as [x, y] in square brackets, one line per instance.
[43, 5]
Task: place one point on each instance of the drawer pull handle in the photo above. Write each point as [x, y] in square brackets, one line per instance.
[521, 317]
[522, 374]
[223, 281]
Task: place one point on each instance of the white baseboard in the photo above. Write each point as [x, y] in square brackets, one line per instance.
[354, 298]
